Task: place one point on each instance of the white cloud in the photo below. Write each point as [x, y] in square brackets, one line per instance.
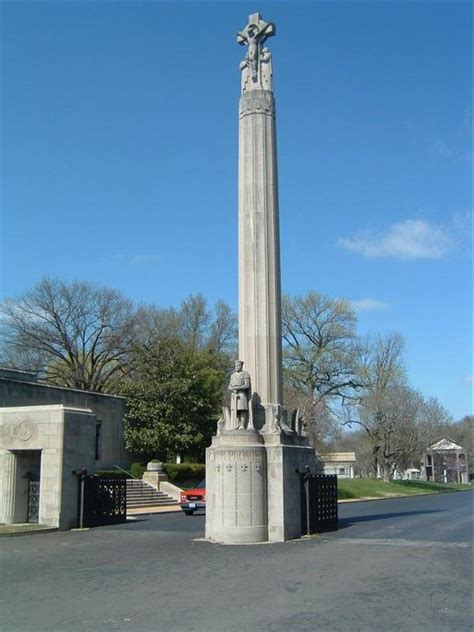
[410, 239]
[366, 304]
[140, 260]
[469, 379]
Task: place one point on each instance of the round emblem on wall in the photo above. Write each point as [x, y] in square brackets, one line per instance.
[23, 431]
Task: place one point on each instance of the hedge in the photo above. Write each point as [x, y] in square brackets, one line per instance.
[184, 471]
[138, 469]
[176, 471]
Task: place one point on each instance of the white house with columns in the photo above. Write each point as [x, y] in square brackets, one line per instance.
[339, 463]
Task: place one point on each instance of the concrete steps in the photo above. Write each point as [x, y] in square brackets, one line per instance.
[140, 494]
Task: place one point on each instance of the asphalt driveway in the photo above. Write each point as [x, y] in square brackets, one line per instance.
[400, 564]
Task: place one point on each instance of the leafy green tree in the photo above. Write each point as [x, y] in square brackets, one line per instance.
[173, 399]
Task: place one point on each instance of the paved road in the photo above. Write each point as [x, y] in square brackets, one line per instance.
[400, 564]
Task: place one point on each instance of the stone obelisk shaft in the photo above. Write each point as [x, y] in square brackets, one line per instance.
[253, 485]
[259, 247]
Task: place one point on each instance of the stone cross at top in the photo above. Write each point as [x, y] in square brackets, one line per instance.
[257, 66]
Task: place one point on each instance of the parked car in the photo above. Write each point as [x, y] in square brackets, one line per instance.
[193, 499]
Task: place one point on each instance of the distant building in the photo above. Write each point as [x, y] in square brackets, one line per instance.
[410, 474]
[445, 462]
[340, 463]
[47, 434]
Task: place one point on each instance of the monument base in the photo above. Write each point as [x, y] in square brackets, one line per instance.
[253, 486]
[236, 488]
[287, 455]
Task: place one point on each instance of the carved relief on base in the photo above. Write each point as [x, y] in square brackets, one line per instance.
[276, 420]
[236, 479]
[257, 102]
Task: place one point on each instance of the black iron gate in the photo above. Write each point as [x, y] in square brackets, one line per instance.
[318, 503]
[102, 500]
[33, 501]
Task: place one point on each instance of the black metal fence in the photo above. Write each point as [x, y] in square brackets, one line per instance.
[33, 501]
[102, 500]
[318, 503]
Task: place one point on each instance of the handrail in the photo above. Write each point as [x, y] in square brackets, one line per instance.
[127, 472]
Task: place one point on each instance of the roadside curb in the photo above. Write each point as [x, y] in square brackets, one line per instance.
[364, 499]
[28, 532]
[150, 511]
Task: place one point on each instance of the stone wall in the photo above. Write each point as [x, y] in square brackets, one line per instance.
[109, 410]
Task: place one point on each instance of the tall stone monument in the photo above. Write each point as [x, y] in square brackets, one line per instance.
[253, 488]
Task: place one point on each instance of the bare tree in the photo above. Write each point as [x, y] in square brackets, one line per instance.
[156, 323]
[194, 324]
[434, 422]
[319, 356]
[390, 419]
[222, 336]
[206, 329]
[396, 425]
[462, 432]
[78, 334]
[380, 362]
[381, 376]
[398, 421]
[322, 426]
[195, 320]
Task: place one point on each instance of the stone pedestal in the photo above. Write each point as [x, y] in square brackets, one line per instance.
[286, 456]
[155, 475]
[253, 486]
[236, 484]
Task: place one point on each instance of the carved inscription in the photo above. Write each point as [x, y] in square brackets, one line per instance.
[238, 455]
[275, 455]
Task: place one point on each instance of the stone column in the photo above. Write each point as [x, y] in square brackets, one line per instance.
[259, 249]
[9, 484]
[253, 488]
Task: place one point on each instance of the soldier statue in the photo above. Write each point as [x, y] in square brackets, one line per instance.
[240, 403]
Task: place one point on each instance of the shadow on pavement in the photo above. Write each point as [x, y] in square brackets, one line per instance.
[344, 523]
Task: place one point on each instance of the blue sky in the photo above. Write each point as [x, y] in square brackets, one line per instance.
[119, 159]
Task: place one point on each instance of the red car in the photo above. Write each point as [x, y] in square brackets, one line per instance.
[193, 499]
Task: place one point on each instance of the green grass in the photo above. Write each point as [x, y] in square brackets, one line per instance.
[372, 488]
